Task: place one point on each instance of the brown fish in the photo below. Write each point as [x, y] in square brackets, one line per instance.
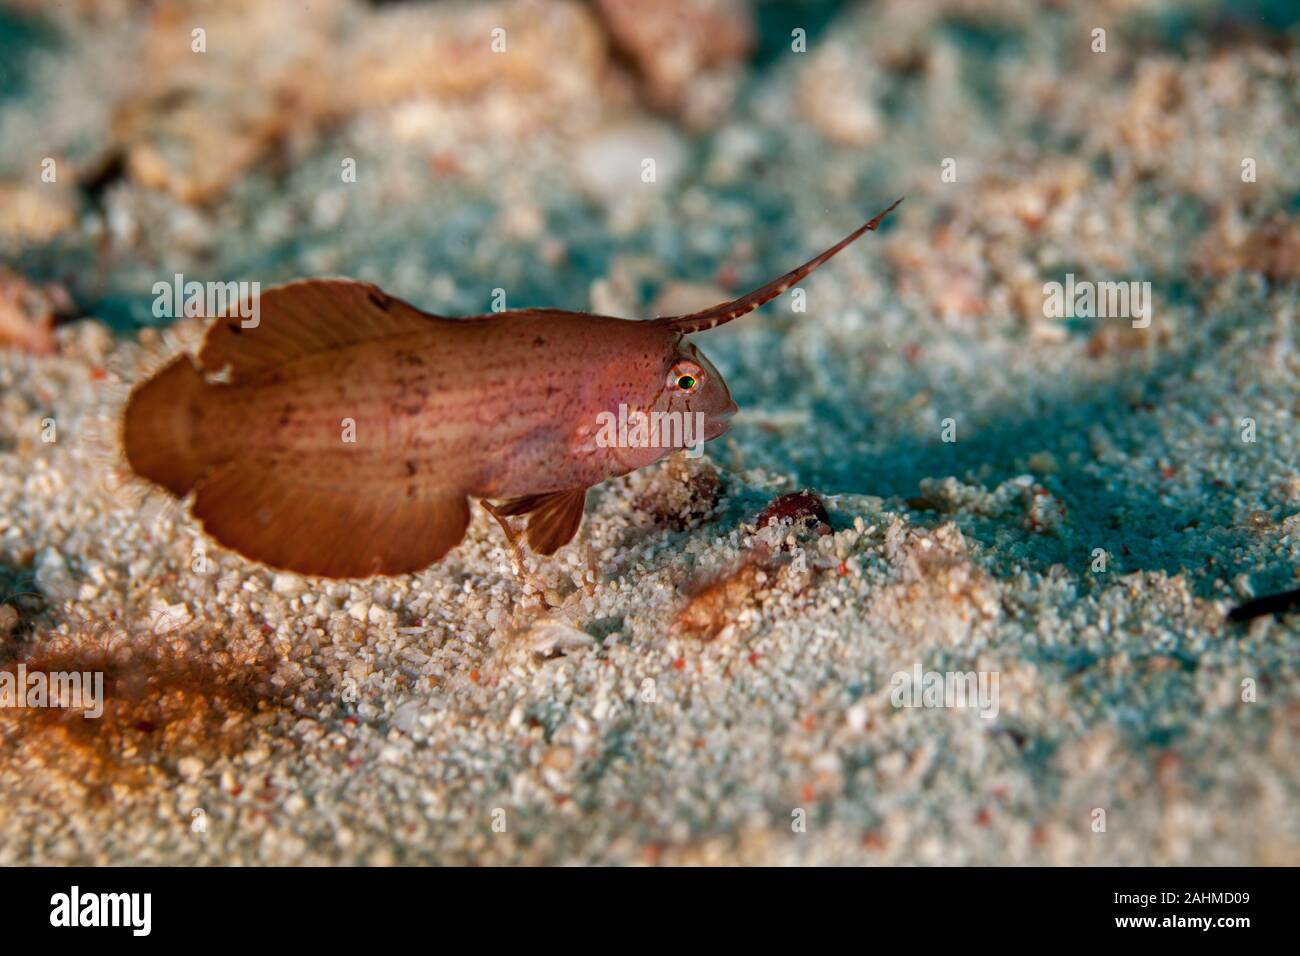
[344, 435]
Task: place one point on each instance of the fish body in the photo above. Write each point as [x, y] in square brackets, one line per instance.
[463, 402]
[345, 433]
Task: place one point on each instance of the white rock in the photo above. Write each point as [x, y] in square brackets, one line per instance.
[406, 717]
[610, 163]
[555, 634]
[52, 577]
[856, 717]
[287, 584]
[164, 617]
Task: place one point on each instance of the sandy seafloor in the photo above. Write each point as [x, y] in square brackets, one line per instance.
[396, 721]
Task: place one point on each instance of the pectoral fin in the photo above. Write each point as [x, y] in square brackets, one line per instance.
[553, 518]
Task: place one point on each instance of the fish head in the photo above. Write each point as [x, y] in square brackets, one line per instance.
[667, 382]
[661, 397]
[694, 387]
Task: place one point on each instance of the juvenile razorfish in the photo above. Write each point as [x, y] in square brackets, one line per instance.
[345, 433]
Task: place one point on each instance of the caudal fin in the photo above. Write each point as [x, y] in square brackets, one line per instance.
[158, 428]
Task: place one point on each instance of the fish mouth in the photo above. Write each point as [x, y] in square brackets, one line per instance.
[719, 422]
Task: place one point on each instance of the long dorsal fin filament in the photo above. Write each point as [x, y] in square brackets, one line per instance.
[726, 311]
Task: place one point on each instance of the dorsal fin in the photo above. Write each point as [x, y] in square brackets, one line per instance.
[726, 311]
[307, 317]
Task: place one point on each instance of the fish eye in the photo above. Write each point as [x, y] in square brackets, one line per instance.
[685, 376]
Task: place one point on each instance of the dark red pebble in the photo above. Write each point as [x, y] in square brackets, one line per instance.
[800, 506]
